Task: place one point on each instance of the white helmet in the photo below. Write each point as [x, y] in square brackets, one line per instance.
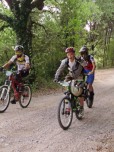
[76, 90]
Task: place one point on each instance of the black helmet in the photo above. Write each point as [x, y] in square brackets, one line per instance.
[19, 48]
[84, 49]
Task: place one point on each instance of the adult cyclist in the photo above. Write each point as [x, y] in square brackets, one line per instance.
[89, 69]
[23, 66]
[75, 71]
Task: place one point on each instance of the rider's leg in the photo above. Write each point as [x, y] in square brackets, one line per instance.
[14, 87]
[81, 100]
[90, 87]
[16, 92]
[90, 80]
[91, 90]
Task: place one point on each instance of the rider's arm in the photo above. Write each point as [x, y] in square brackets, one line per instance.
[27, 66]
[7, 65]
[27, 62]
[60, 69]
[94, 65]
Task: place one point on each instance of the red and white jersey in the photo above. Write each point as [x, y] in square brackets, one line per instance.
[88, 63]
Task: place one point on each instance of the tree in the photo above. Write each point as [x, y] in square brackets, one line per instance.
[20, 20]
[105, 27]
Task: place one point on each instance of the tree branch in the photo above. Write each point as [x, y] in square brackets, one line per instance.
[3, 27]
[37, 4]
[9, 2]
[7, 19]
[41, 25]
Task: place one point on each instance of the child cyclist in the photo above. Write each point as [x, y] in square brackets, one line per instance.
[89, 69]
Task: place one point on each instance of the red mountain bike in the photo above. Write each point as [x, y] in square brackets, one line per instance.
[6, 92]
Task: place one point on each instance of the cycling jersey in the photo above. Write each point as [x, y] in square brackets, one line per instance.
[88, 66]
[20, 61]
[88, 63]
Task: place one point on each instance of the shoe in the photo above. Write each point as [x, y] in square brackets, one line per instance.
[81, 112]
[13, 101]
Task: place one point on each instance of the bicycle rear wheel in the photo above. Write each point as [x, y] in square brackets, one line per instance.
[4, 98]
[26, 95]
[89, 101]
[65, 113]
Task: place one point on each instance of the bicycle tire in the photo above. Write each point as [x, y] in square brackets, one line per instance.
[4, 95]
[65, 102]
[88, 101]
[26, 96]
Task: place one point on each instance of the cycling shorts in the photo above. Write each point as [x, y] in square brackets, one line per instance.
[90, 78]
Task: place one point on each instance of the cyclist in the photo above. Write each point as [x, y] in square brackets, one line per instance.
[89, 69]
[23, 66]
[75, 70]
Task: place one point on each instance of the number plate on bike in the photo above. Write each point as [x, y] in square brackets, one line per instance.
[8, 73]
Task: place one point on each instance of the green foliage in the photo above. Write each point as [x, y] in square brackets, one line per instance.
[7, 41]
[62, 24]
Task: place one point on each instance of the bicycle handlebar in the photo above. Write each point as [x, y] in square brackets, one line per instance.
[8, 72]
[64, 84]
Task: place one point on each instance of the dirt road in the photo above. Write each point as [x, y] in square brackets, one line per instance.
[36, 129]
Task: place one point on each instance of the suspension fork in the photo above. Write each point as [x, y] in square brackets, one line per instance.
[9, 88]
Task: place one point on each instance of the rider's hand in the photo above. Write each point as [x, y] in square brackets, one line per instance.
[25, 70]
[1, 69]
[90, 73]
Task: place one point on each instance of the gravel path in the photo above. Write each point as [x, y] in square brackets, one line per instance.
[36, 129]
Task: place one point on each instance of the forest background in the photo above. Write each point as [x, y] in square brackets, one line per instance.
[46, 28]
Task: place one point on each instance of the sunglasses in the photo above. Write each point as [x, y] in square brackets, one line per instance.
[18, 53]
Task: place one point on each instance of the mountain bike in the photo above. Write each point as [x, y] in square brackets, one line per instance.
[6, 92]
[70, 104]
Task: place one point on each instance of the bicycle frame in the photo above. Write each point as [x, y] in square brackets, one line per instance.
[8, 85]
[9, 81]
[68, 93]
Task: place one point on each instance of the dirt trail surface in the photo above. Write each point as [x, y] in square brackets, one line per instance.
[36, 129]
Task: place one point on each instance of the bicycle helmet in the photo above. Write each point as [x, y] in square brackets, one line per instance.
[84, 49]
[76, 89]
[69, 49]
[19, 48]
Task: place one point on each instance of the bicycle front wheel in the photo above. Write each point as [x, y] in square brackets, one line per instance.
[65, 113]
[4, 98]
[26, 95]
